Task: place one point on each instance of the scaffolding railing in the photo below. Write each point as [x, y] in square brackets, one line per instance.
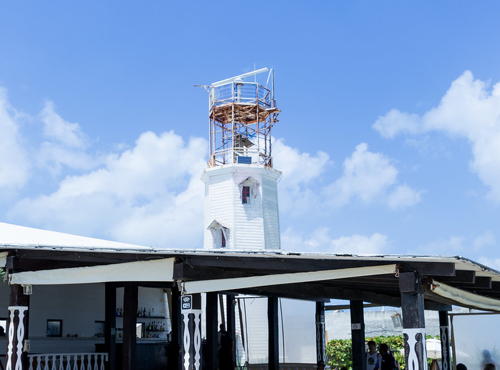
[247, 93]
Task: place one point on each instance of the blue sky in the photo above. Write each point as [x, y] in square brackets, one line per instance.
[104, 132]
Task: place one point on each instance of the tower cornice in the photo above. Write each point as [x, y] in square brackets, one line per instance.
[241, 169]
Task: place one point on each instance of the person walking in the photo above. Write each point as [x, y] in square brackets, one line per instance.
[372, 356]
[387, 360]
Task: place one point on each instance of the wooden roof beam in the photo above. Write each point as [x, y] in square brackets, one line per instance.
[319, 292]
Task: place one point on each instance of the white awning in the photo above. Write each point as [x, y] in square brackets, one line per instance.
[462, 297]
[154, 270]
[216, 285]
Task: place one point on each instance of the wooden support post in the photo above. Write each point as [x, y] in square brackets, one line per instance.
[130, 303]
[358, 335]
[231, 326]
[211, 325]
[320, 335]
[191, 331]
[110, 324]
[18, 329]
[273, 333]
[174, 350]
[445, 340]
[453, 344]
[412, 305]
[222, 313]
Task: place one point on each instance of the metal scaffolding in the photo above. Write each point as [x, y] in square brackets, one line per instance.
[241, 116]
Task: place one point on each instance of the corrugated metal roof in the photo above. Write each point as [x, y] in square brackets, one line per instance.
[30, 238]
[27, 238]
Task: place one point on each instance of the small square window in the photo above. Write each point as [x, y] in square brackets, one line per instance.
[245, 194]
[54, 328]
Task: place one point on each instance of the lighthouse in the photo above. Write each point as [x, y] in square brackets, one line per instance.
[241, 196]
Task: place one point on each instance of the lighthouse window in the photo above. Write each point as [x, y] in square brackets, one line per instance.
[220, 235]
[245, 194]
[222, 239]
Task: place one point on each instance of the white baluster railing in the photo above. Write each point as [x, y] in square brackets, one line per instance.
[68, 361]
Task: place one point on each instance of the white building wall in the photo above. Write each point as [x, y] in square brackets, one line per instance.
[218, 205]
[79, 306]
[271, 213]
[248, 220]
[378, 321]
[252, 226]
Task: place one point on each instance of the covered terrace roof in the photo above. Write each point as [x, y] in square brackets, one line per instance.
[309, 276]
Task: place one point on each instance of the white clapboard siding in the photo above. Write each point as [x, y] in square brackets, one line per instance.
[252, 226]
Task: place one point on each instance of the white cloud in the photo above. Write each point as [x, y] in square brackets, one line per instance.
[148, 194]
[300, 174]
[403, 196]
[395, 122]
[151, 193]
[360, 244]
[321, 240]
[470, 109]
[298, 168]
[454, 245]
[65, 144]
[370, 176]
[367, 176]
[60, 130]
[169, 222]
[486, 239]
[14, 162]
[55, 156]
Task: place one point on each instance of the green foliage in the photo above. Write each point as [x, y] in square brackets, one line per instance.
[340, 354]
[2, 274]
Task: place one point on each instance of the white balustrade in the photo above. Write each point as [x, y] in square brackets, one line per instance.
[68, 361]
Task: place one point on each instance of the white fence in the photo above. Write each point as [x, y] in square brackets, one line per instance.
[68, 361]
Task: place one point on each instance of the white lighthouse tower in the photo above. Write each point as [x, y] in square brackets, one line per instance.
[241, 198]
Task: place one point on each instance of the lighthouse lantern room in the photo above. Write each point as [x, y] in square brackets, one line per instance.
[241, 198]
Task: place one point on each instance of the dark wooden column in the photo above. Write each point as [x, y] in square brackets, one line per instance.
[445, 340]
[358, 335]
[273, 333]
[110, 324]
[231, 325]
[174, 353]
[130, 297]
[18, 329]
[320, 334]
[212, 327]
[412, 305]
[191, 331]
